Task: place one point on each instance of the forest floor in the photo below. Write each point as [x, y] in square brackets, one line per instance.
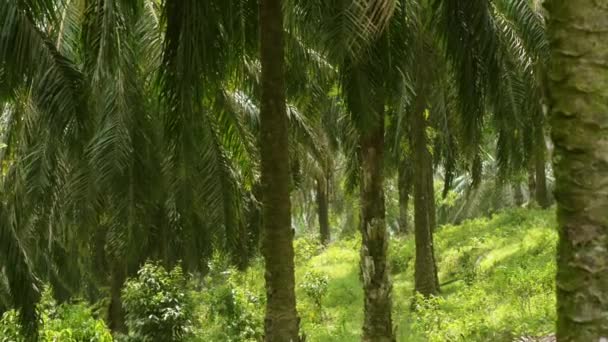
[497, 278]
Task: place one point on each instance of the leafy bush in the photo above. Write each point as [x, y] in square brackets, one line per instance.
[315, 286]
[10, 330]
[305, 248]
[68, 322]
[400, 255]
[157, 305]
[232, 303]
[233, 311]
[75, 323]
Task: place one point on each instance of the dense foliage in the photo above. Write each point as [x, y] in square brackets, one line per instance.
[157, 305]
[280, 170]
[497, 276]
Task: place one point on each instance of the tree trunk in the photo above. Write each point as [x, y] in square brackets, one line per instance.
[242, 255]
[531, 181]
[430, 182]
[432, 210]
[578, 31]
[116, 313]
[378, 326]
[518, 195]
[281, 322]
[425, 272]
[404, 183]
[542, 197]
[323, 211]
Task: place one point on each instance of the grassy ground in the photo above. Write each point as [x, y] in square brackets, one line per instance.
[498, 284]
[497, 277]
[497, 280]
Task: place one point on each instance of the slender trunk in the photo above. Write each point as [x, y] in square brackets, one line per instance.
[542, 197]
[281, 322]
[116, 313]
[531, 181]
[378, 326]
[578, 31]
[425, 269]
[430, 182]
[432, 211]
[242, 257]
[98, 262]
[254, 221]
[518, 195]
[323, 211]
[404, 183]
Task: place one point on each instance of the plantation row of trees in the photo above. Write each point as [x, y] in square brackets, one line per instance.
[140, 129]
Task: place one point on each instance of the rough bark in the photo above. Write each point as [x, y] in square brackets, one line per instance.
[541, 195]
[518, 195]
[425, 272]
[578, 32]
[323, 211]
[430, 183]
[242, 254]
[531, 181]
[281, 322]
[404, 183]
[116, 313]
[377, 326]
[432, 210]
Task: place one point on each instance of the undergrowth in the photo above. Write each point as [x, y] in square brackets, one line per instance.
[497, 277]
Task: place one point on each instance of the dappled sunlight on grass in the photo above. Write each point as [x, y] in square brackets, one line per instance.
[500, 273]
[497, 273]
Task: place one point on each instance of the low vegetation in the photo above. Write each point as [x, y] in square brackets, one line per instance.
[497, 278]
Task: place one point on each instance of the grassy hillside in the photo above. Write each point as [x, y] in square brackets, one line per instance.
[498, 283]
[497, 277]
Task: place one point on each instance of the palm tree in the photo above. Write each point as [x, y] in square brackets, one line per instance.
[578, 34]
[86, 138]
[281, 322]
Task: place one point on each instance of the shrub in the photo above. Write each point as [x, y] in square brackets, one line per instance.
[315, 287]
[10, 330]
[305, 248]
[157, 305]
[235, 312]
[68, 322]
[400, 255]
[75, 323]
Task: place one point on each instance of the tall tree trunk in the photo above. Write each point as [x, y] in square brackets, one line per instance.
[242, 257]
[518, 195]
[116, 313]
[378, 326]
[531, 181]
[578, 31]
[323, 210]
[404, 183]
[432, 210]
[281, 322]
[542, 197]
[425, 272]
[430, 182]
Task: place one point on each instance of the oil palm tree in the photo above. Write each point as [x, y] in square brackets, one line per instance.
[86, 148]
[577, 74]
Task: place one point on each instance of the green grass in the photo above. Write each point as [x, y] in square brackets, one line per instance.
[500, 273]
[497, 276]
